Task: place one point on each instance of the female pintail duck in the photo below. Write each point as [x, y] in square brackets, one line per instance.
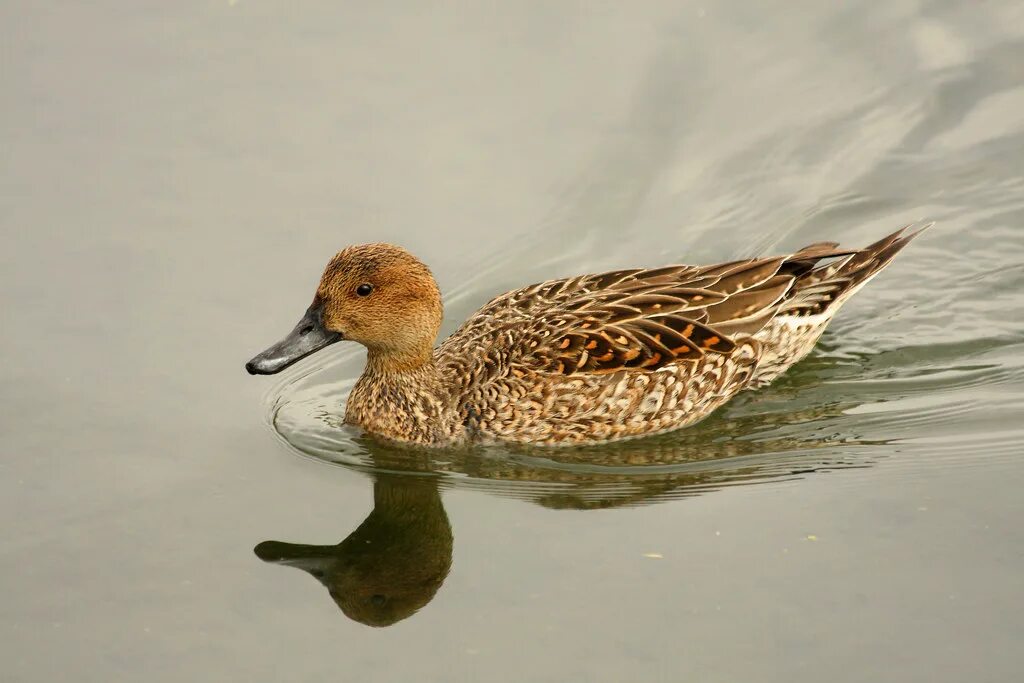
[583, 360]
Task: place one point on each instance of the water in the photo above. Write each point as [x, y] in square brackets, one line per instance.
[175, 176]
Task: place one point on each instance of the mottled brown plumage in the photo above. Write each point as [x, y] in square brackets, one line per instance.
[586, 359]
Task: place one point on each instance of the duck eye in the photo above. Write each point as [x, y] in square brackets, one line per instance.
[364, 290]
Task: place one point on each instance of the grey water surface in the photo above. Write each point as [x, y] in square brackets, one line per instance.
[174, 177]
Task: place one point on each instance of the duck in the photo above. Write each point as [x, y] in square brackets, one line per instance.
[577, 361]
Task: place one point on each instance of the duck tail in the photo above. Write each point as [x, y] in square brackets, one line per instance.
[827, 276]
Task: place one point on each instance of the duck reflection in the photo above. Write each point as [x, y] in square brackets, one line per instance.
[392, 564]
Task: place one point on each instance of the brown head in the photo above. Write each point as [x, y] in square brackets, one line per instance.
[378, 295]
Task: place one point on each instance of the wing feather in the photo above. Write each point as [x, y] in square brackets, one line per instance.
[643, 319]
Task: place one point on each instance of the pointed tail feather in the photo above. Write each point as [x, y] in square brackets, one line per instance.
[820, 288]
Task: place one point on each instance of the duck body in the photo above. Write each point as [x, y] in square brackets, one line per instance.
[601, 357]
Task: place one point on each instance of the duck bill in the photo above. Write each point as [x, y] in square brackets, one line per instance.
[308, 337]
[308, 557]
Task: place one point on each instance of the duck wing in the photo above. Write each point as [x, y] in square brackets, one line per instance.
[635, 319]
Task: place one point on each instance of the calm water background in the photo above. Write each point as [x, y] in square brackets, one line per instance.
[175, 175]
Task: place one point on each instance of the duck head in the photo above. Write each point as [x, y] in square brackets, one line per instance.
[378, 295]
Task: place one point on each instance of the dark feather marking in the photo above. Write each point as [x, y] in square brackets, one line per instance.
[744, 278]
[701, 335]
[751, 301]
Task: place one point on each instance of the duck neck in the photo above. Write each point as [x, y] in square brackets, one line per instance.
[384, 362]
[402, 397]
